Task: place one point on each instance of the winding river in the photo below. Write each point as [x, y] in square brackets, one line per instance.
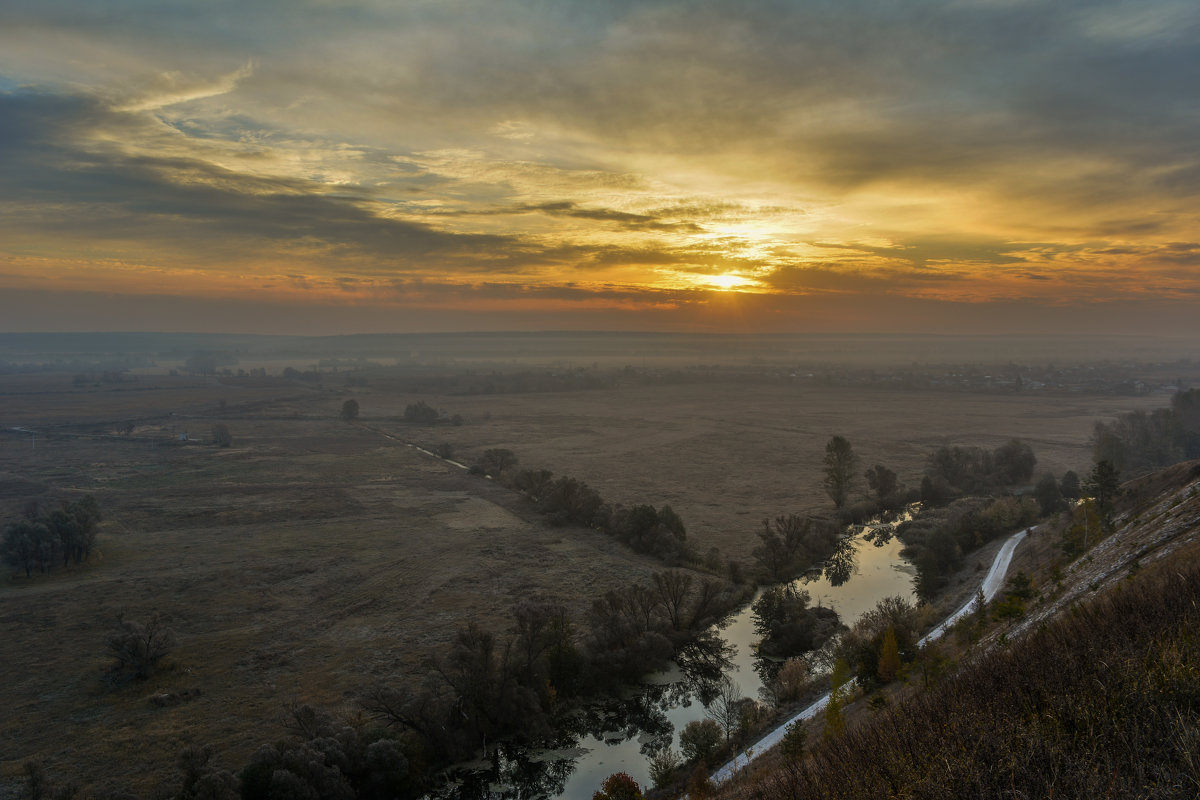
[871, 568]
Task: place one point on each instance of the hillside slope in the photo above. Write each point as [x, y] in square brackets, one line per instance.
[1094, 692]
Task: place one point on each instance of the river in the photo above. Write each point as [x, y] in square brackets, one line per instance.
[872, 568]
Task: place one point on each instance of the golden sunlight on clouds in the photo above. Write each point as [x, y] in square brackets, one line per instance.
[737, 166]
[728, 281]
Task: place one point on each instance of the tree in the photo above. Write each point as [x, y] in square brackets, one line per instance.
[700, 739]
[1014, 462]
[533, 482]
[668, 519]
[936, 491]
[673, 587]
[1069, 485]
[221, 435]
[834, 722]
[1186, 409]
[792, 680]
[25, 543]
[1085, 528]
[793, 742]
[420, 411]
[787, 624]
[350, 410]
[36, 780]
[1104, 484]
[496, 460]
[700, 785]
[619, 786]
[140, 646]
[882, 482]
[66, 531]
[840, 463]
[202, 780]
[86, 513]
[1049, 495]
[726, 708]
[663, 762]
[889, 657]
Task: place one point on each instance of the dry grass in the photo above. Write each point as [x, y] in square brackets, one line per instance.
[1100, 702]
[314, 558]
[309, 561]
[725, 457]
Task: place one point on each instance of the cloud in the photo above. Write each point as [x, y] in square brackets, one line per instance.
[963, 150]
[114, 194]
[172, 88]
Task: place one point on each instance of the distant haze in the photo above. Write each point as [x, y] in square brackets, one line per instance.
[607, 349]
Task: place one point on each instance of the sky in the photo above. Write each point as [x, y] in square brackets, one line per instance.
[320, 166]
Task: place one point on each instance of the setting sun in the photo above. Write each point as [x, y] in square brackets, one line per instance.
[727, 281]
[414, 176]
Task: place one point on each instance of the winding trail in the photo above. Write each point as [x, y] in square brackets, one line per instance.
[991, 585]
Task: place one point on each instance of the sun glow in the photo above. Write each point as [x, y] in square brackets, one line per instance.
[727, 281]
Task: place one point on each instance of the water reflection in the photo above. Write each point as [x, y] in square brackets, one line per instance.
[513, 772]
[704, 662]
[619, 736]
[840, 565]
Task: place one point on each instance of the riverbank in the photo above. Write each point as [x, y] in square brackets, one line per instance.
[989, 585]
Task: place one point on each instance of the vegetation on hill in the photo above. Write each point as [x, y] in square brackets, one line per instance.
[1102, 700]
[1138, 442]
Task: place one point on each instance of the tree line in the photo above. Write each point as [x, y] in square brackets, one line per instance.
[950, 472]
[44, 540]
[564, 500]
[1138, 442]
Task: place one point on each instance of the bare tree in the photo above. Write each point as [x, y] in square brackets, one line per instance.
[673, 587]
[726, 708]
[497, 460]
[140, 646]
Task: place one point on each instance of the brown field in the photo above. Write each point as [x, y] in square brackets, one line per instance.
[315, 557]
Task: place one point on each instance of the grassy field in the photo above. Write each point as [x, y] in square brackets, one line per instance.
[315, 558]
[725, 457]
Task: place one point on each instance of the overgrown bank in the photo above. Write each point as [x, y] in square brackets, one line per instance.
[1102, 700]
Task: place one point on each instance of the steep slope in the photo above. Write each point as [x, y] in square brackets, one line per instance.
[1094, 692]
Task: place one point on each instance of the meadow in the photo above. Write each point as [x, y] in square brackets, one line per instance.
[315, 557]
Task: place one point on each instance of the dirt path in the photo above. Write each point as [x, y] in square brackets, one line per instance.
[991, 585]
